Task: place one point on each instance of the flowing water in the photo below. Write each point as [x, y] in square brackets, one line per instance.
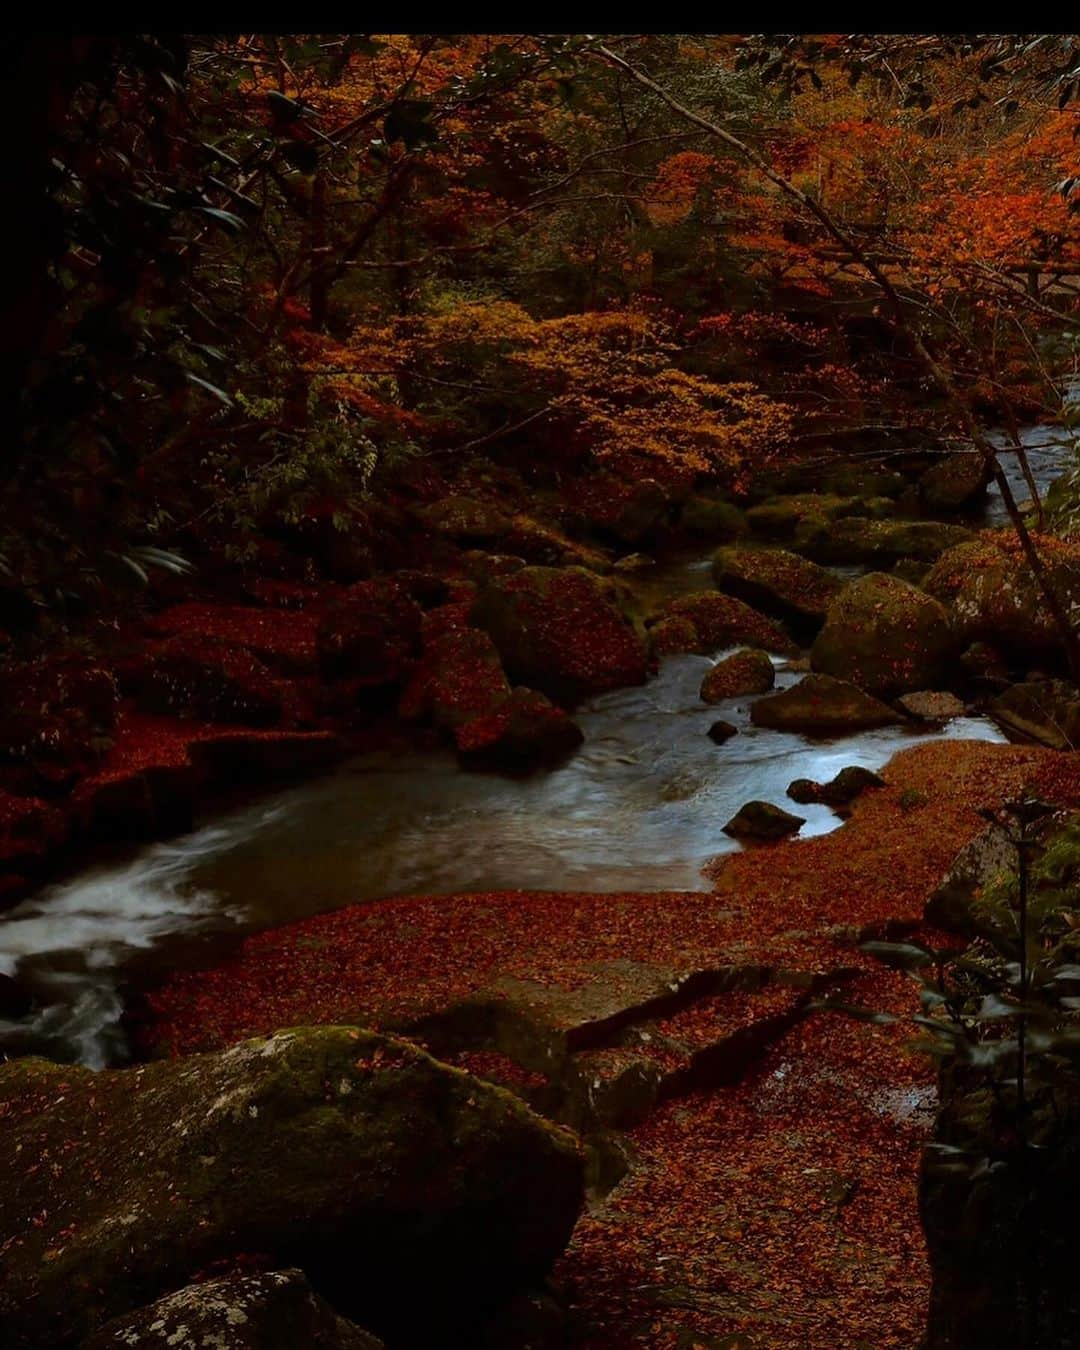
[640, 806]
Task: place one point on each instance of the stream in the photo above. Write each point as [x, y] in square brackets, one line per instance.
[640, 806]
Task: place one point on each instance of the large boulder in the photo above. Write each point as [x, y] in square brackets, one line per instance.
[989, 855]
[459, 677]
[857, 539]
[277, 1310]
[557, 630]
[763, 821]
[783, 517]
[745, 672]
[886, 636]
[630, 510]
[954, 482]
[709, 620]
[988, 587]
[465, 518]
[1047, 711]
[779, 583]
[712, 518]
[370, 634]
[522, 730]
[352, 1155]
[822, 706]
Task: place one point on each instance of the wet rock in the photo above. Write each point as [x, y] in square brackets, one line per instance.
[954, 482]
[745, 672]
[721, 731]
[710, 620]
[932, 705]
[822, 706]
[523, 729]
[886, 636]
[848, 784]
[779, 583]
[712, 518]
[352, 1155]
[14, 999]
[207, 678]
[992, 595]
[1047, 711]
[277, 1310]
[370, 635]
[762, 820]
[558, 631]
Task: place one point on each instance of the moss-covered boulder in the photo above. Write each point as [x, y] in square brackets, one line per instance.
[779, 583]
[954, 482]
[277, 1310]
[712, 518]
[629, 510]
[459, 677]
[1047, 711]
[558, 630]
[763, 821]
[783, 517]
[858, 539]
[709, 620]
[521, 730]
[862, 480]
[745, 672]
[465, 518]
[988, 587]
[352, 1155]
[886, 636]
[822, 706]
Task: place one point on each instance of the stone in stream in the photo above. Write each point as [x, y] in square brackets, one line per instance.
[745, 672]
[709, 620]
[722, 731]
[782, 584]
[353, 1155]
[763, 820]
[886, 636]
[955, 481]
[848, 784]
[276, 1310]
[932, 705]
[822, 706]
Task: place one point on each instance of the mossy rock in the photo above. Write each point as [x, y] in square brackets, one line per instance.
[822, 706]
[466, 518]
[886, 636]
[713, 518]
[745, 672]
[863, 480]
[276, 1310]
[1047, 711]
[352, 1155]
[991, 593]
[559, 631]
[520, 731]
[459, 678]
[710, 620]
[954, 482]
[779, 583]
[859, 539]
[783, 517]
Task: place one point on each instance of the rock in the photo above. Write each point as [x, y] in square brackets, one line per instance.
[634, 562]
[954, 482]
[762, 820]
[779, 583]
[629, 510]
[721, 731]
[986, 857]
[932, 706]
[547, 546]
[822, 706]
[370, 635]
[886, 636]
[848, 784]
[14, 1000]
[879, 542]
[745, 672]
[522, 730]
[483, 566]
[460, 677]
[709, 620]
[277, 1310]
[557, 631]
[863, 480]
[992, 596]
[352, 1155]
[207, 678]
[712, 518]
[783, 517]
[1047, 711]
[465, 518]
[980, 661]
